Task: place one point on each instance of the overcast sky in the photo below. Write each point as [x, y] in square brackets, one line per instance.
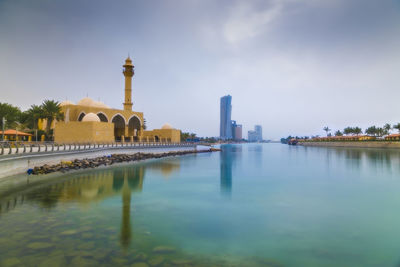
[292, 66]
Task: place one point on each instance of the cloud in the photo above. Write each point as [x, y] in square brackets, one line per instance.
[246, 21]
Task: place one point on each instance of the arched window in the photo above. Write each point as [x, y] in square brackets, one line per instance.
[80, 117]
[102, 117]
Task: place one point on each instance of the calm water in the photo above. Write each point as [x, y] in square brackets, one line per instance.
[250, 205]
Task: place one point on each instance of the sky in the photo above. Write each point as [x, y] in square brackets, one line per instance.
[292, 66]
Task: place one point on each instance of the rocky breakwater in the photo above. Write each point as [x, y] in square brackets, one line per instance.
[76, 164]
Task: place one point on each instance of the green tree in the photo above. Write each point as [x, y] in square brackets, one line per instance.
[371, 131]
[184, 136]
[348, 130]
[11, 114]
[380, 131]
[397, 126]
[144, 124]
[338, 133]
[386, 128]
[327, 130]
[357, 130]
[51, 112]
[31, 116]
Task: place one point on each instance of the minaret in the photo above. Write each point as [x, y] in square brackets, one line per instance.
[128, 73]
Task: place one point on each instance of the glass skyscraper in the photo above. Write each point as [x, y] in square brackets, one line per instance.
[225, 129]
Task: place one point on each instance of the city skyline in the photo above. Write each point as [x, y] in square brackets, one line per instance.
[283, 61]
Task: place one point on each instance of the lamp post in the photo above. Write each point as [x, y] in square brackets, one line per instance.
[3, 125]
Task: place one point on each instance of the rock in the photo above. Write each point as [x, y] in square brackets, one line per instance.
[54, 261]
[11, 262]
[83, 262]
[87, 235]
[163, 250]
[181, 262]
[86, 246]
[140, 257]
[69, 232]
[156, 261]
[39, 245]
[140, 264]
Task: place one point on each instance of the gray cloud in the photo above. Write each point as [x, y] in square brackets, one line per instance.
[292, 66]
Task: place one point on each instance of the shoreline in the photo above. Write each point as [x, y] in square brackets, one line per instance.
[91, 163]
[18, 165]
[353, 144]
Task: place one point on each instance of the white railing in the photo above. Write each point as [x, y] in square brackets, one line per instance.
[14, 148]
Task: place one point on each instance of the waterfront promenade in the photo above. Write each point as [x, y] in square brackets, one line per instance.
[353, 144]
[18, 159]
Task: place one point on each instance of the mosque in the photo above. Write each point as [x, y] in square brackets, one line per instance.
[93, 121]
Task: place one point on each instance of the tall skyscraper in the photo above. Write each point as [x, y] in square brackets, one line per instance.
[258, 130]
[225, 129]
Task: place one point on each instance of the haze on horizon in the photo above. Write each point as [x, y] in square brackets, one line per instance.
[291, 66]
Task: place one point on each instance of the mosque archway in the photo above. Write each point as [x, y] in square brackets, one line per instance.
[102, 117]
[119, 127]
[134, 127]
[156, 139]
[80, 117]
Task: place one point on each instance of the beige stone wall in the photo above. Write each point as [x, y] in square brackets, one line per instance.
[372, 144]
[82, 132]
[164, 135]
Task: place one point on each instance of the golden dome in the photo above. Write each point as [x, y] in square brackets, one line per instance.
[91, 117]
[99, 104]
[66, 103]
[166, 126]
[86, 101]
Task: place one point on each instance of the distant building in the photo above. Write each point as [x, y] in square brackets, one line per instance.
[236, 131]
[252, 136]
[258, 130]
[225, 130]
[256, 135]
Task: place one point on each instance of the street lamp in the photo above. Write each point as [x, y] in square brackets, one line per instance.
[3, 125]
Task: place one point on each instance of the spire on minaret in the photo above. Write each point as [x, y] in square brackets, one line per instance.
[128, 73]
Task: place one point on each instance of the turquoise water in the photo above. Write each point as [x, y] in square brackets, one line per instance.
[249, 205]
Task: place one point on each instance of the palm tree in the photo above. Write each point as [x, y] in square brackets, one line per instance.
[51, 111]
[34, 113]
[348, 130]
[387, 128]
[144, 124]
[372, 130]
[357, 130]
[397, 126]
[327, 130]
[338, 133]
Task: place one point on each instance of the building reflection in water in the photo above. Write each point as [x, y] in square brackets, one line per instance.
[166, 167]
[228, 156]
[87, 188]
[127, 180]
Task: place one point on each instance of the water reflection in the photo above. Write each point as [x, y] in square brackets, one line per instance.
[82, 189]
[369, 159]
[228, 156]
[166, 167]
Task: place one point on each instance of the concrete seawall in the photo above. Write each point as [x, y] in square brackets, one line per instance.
[21, 163]
[360, 144]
